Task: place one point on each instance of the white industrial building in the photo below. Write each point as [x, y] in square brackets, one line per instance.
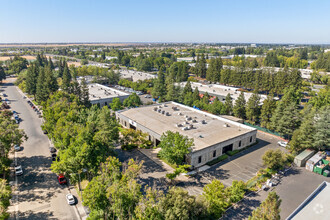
[134, 76]
[221, 91]
[315, 206]
[102, 95]
[212, 135]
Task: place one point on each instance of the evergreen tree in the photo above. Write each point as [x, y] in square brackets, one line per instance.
[214, 70]
[84, 99]
[253, 108]
[171, 91]
[228, 105]
[66, 79]
[196, 96]
[289, 120]
[267, 111]
[159, 89]
[41, 92]
[239, 107]
[187, 88]
[322, 134]
[51, 85]
[269, 209]
[31, 80]
[51, 64]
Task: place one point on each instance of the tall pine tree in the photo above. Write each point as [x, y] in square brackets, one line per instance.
[239, 107]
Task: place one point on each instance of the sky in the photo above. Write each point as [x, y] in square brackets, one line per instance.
[214, 21]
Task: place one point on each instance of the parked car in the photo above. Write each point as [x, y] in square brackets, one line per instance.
[17, 148]
[18, 170]
[282, 143]
[52, 149]
[70, 199]
[54, 157]
[61, 179]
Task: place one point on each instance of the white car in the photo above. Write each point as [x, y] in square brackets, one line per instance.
[17, 148]
[70, 199]
[282, 143]
[18, 170]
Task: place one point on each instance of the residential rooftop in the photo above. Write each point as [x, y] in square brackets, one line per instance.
[98, 91]
[316, 206]
[206, 129]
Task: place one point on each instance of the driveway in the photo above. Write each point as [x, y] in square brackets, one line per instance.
[38, 194]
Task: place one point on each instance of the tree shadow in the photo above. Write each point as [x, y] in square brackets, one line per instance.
[33, 215]
[37, 176]
[243, 210]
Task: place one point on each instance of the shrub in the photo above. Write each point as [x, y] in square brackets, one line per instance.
[217, 160]
[231, 153]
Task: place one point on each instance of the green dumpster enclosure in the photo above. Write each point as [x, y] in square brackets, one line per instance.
[321, 166]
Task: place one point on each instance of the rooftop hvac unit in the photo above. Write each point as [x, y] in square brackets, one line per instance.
[163, 112]
[174, 108]
[165, 105]
[159, 110]
[167, 114]
[194, 121]
[203, 122]
[187, 123]
[179, 125]
[179, 113]
[226, 125]
[189, 118]
[191, 126]
[155, 109]
[200, 136]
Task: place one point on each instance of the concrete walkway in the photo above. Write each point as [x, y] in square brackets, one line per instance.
[152, 154]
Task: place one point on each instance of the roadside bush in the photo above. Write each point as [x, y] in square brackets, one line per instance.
[231, 153]
[217, 160]
[129, 147]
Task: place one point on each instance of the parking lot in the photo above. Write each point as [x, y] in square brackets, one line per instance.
[242, 166]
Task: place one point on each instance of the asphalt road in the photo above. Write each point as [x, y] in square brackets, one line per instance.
[38, 194]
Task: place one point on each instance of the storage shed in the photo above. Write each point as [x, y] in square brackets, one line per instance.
[301, 159]
[314, 160]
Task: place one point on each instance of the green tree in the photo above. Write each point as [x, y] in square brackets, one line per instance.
[133, 100]
[216, 199]
[149, 207]
[239, 107]
[322, 134]
[5, 195]
[2, 74]
[66, 79]
[267, 111]
[174, 147]
[159, 89]
[31, 79]
[116, 104]
[51, 85]
[228, 105]
[289, 120]
[269, 209]
[253, 108]
[177, 204]
[236, 191]
[274, 159]
[213, 72]
[84, 93]
[41, 92]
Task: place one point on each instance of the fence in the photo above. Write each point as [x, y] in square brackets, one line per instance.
[264, 129]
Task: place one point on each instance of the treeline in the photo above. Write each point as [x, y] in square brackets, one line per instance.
[41, 80]
[83, 136]
[10, 135]
[322, 62]
[116, 194]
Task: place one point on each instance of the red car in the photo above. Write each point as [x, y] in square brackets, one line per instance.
[61, 179]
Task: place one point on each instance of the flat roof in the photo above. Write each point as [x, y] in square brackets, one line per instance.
[214, 89]
[304, 154]
[207, 130]
[136, 75]
[98, 91]
[316, 206]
